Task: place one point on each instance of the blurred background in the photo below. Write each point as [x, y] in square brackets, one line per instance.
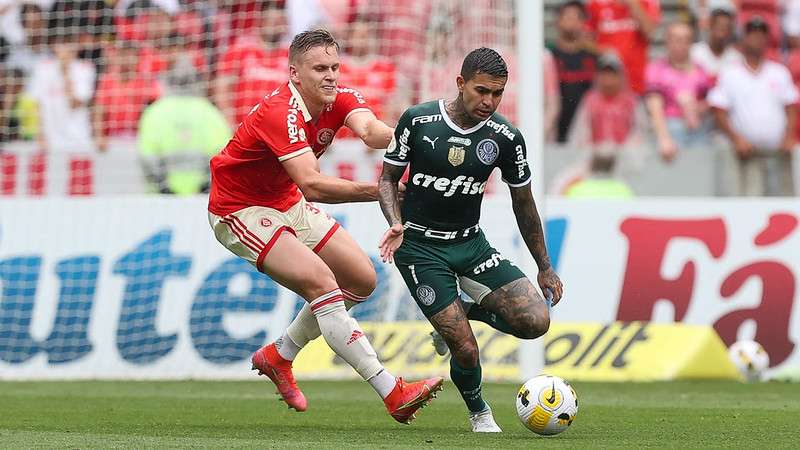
[651, 112]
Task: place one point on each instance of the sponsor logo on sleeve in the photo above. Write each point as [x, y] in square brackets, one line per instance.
[520, 161]
[500, 128]
[293, 130]
[359, 98]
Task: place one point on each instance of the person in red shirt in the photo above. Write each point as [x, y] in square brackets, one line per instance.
[362, 66]
[262, 185]
[254, 65]
[121, 95]
[625, 26]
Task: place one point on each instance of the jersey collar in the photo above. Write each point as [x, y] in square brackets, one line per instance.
[455, 127]
[299, 99]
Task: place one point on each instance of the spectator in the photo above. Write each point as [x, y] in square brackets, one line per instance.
[62, 86]
[552, 96]
[754, 104]
[25, 55]
[372, 74]
[122, 94]
[608, 116]
[791, 23]
[254, 65]
[180, 132]
[702, 11]
[10, 87]
[794, 69]
[625, 26]
[718, 50]
[769, 12]
[601, 181]
[676, 91]
[574, 62]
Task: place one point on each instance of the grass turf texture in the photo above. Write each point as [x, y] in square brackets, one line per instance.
[349, 415]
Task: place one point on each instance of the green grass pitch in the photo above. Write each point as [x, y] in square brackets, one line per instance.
[347, 414]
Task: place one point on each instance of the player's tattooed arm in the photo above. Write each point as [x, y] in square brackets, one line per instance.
[530, 226]
[388, 195]
[390, 205]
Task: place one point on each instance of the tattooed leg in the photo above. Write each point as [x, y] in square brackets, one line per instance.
[465, 365]
[521, 306]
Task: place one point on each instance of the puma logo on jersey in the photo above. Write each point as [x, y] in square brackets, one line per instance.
[433, 142]
[461, 184]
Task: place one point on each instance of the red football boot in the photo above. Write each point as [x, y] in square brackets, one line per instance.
[406, 398]
[269, 362]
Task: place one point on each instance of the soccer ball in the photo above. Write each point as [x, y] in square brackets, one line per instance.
[547, 405]
[750, 359]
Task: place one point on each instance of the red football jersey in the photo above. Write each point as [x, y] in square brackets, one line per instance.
[248, 171]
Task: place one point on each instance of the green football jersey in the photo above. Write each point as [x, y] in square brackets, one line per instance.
[450, 165]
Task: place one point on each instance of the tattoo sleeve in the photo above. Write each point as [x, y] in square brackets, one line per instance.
[387, 192]
[530, 225]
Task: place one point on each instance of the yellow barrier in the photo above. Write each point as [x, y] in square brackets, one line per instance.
[405, 349]
[636, 351]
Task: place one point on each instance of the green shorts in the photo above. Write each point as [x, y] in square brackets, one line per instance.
[434, 271]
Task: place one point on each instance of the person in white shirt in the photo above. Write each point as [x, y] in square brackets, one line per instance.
[717, 50]
[63, 86]
[791, 23]
[755, 106]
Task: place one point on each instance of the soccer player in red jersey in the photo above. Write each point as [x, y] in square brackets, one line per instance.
[262, 184]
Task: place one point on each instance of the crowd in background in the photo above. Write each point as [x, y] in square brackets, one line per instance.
[728, 75]
[178, 74]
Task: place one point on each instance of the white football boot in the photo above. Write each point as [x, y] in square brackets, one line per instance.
[438, 343]
[483, 422]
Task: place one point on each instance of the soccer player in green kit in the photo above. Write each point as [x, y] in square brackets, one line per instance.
[434, 236]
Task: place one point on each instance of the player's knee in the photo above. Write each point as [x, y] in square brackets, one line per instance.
[319, 281]
[466, 354]
[365, 284]
[534, 324]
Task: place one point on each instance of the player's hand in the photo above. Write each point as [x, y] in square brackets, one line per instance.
[549, 280]
[390, 242]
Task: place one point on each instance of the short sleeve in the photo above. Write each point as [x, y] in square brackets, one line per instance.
[349, 101]
[83, 78]
[789, 94]
[652, 79]
[514, 163]
[282, 131]
[399, 152]
[719, 97]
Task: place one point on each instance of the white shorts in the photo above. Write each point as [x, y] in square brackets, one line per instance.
[251, 232]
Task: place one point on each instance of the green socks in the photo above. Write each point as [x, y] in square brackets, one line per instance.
[468, 382]
[477, 312]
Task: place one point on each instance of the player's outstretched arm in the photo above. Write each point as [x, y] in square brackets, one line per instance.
[317, 187]
[530, 226]
[390, 205]
[373, 132]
